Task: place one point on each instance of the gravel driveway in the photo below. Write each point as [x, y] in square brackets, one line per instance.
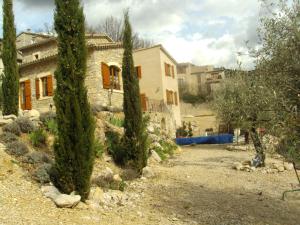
[197, 186]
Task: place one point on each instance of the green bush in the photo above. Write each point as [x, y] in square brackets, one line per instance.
[118, 122]
[38, 138]
[25, 124]
[17, 148]
[52, 127]
[99, 148]
[8, 137]
[115, 148]
[167, 149]
[13, 128]
[44, 117]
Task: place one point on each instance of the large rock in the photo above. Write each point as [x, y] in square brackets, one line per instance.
[61, 200]
[67, 201]
[148, 172]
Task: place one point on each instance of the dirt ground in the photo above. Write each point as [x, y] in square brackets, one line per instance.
[197, 186]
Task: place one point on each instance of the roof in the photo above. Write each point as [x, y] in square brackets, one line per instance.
[53, 39]
[90, 46]
[35, 34]
[161, 48]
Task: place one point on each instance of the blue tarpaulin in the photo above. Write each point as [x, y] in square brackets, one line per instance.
[215, 139]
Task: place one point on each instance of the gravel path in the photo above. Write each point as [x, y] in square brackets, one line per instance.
[196, 187]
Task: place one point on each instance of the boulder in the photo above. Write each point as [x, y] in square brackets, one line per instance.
[67, 201]
[148, 172]
[280, 168]
[117, 178]
[13, 117]
[150, 129]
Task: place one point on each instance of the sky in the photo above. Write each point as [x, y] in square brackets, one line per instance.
[204, 32]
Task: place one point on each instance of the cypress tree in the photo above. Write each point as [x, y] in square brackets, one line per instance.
[135, 137]
[74, 151]
[10, 83]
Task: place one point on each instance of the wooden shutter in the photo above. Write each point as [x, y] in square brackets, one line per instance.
[139, 72]
[143, 102]
[28, 105]
[166, 69]
[173, 72]
[37, 88]
[50, 85]
[105, 75]
[176, 98]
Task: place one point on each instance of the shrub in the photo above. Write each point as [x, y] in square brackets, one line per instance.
[17, 148]
[118, 122]
[38, 138]
[25, 124]
[167, 148]
[37, 157]
[8, 137]
[52, 126]
[44, 117]
[13, 128]
[115, 149]
[99, 148]
[42, 173]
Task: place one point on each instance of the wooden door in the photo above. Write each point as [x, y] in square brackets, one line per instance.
[27, 94]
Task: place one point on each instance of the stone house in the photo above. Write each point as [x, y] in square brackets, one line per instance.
[199, 80]
[155, 68]
[39, 60]
[157, 72]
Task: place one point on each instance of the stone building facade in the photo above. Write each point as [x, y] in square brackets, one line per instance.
[39, 60]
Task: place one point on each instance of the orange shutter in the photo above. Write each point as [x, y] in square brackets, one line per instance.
[139, 72]
[173, 72]
[105, 75]
[28, 105]
[166, 69]
[37, 88]
[143, 102]
[50, 85]
[176, 98]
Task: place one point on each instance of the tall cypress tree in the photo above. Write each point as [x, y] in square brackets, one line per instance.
[74, 152]
[135, 137]
[10, 83]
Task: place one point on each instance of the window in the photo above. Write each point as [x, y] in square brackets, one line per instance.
[110, 77]
[22, 93]
[169, 70]
[115, 77]
[47, 87]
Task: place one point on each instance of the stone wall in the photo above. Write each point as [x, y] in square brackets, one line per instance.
[163, 122]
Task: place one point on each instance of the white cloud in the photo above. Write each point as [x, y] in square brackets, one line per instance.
[201, 31]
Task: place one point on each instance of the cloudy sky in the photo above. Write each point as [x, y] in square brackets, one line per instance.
[198, 31]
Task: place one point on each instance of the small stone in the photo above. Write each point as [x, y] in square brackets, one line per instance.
[246, 163]
[96, 195]
[117, 178]
[237, 166]
[288, 166]
[82, 206]
[280, 168]
[5, 122]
